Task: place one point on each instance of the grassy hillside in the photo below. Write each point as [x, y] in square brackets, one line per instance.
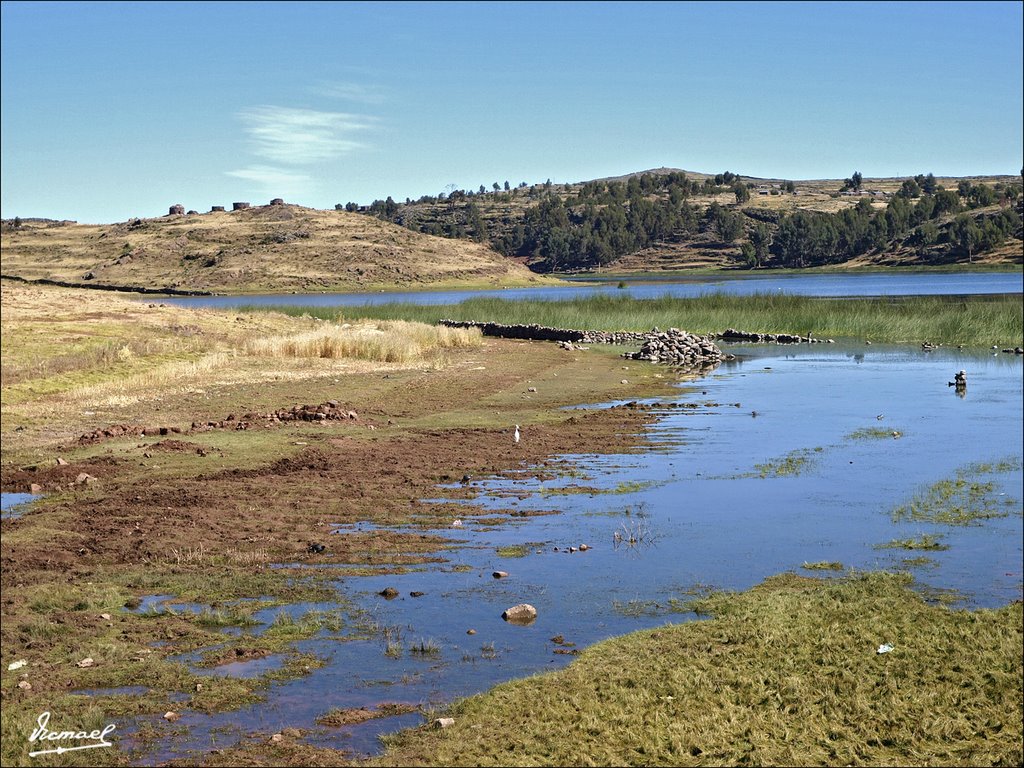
[521, 222]
[268, 248]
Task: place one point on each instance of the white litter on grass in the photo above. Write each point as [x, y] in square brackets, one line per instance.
[16, 665]
[884, 648]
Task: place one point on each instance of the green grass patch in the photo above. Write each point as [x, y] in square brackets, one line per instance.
[823, 565]
[978, 321]
[518, 550]
[792, 464]
[926, 541]
[786, 673]
[964, 499]
[873, 433]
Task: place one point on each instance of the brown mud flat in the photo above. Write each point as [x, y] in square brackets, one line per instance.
[345, 481]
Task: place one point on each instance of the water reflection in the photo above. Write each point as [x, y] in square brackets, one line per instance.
[882, 284]
[841, 438]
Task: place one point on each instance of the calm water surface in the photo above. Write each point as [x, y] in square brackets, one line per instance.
[706, 519]
[901, 284]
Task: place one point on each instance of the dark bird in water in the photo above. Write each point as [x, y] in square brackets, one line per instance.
[315, 548]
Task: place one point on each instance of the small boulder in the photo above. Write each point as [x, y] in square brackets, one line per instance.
[25, 685]
[388, 593]
[524, 613]
[86, 662]
[171, 716]
[444, 722]
[500, 574]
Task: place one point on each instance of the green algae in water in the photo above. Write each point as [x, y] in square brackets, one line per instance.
[792, 464]
[824, 565]
[964, 499]
[925, 541]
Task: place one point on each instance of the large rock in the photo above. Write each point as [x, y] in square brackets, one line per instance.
[524, 613]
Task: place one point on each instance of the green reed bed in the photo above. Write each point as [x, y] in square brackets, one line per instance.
[976, 321]
[787, 673]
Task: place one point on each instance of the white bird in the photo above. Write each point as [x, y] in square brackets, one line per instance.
[516, 435]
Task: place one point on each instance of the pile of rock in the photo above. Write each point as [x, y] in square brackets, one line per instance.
[125, 430]
[676, 347]
[519, 331]
[731, 334]
[329, 411]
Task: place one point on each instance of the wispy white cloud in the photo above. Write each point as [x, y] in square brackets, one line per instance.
[302, 136]
[274, 181]
[347, 91]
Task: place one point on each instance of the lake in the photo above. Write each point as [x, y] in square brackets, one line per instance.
[793, 456]
[866, 284]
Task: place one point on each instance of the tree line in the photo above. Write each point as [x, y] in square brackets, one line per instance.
[600, 221]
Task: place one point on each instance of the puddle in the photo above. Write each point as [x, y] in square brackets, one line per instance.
[13, 505]
[245, 668]
[692, 515]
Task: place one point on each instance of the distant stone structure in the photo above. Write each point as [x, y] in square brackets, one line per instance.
[216, 208]
[177, 209]
[239, 206]
[277, 201]
[192, 213]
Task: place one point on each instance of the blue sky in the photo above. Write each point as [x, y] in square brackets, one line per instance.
[115, 110]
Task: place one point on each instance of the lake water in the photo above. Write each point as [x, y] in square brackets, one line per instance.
[704, 518]
[870, 284]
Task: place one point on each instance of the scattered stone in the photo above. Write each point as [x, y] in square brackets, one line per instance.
[470, 631]
[624, 381]
[584, 547]
[86, 662]
[500, 574]
[25, 685]
[35, 488]
[731, 334]
[61, 462]
[531, 389]
[84, 477]
[444, 722]
[106, 616]
[417, 594]
[315, 548]
[524, 613]
[16, 665]
[171, 716]
[199, 687]
[277, 737]
[389, 593]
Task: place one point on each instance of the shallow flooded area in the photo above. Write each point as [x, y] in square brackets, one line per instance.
[814, 459]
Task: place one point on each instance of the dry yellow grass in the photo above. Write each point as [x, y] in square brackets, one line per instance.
[268, 248]
[75, 359]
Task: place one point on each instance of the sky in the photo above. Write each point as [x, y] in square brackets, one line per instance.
[110, 111]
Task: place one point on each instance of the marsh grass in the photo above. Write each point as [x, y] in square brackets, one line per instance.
[792, 464]
[872, 433]
[425, 647]
[391, 341]
[925, 541]
[823, 565]
[950, 320]
[784, 674]
[518, 550]
[964, 499]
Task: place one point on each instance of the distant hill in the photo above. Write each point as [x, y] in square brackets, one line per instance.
[671, 219]
[267, 248]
